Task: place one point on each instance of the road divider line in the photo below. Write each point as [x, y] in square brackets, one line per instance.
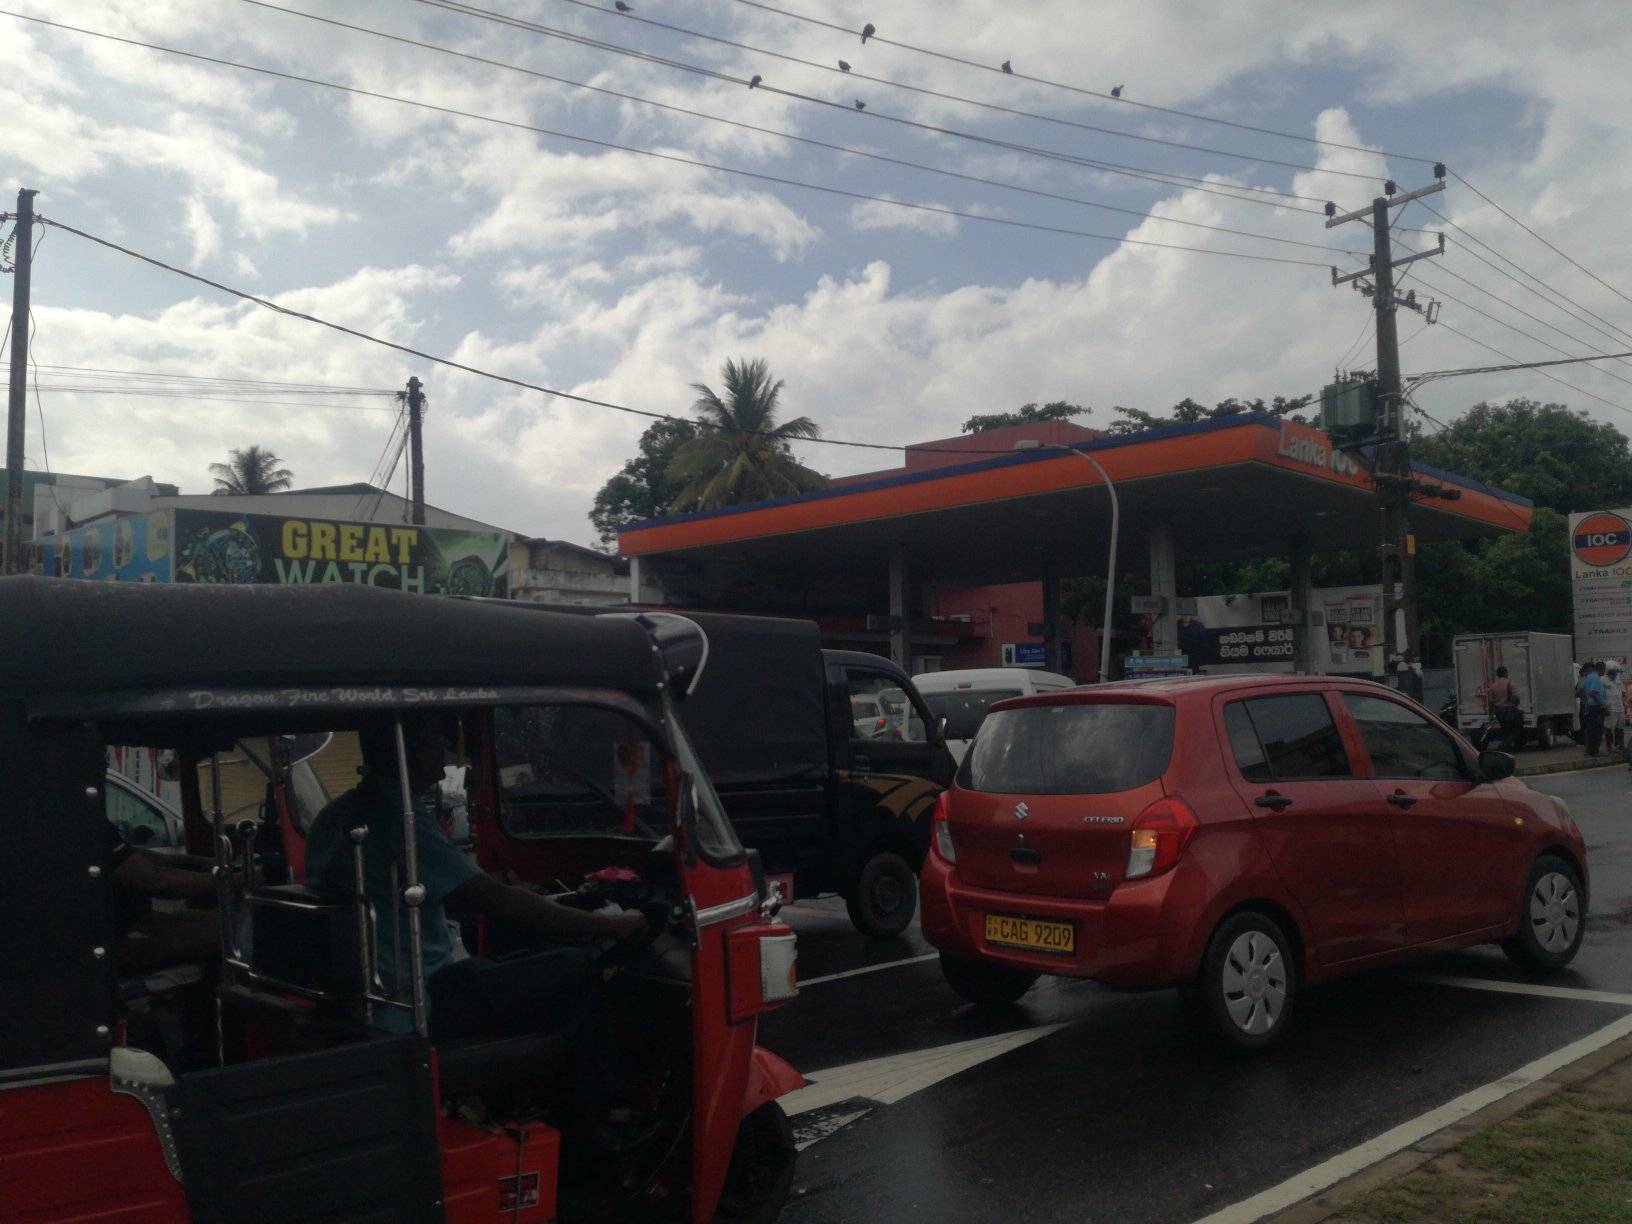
[850, 973]
[1537, 989]
[1345, 1164]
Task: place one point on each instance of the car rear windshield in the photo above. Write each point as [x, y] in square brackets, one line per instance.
[965, 710]
[1093, 748]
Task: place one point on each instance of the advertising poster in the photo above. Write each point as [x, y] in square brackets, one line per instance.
[132, 549]
[219, 546]
[1601, 582]
[1345, 623]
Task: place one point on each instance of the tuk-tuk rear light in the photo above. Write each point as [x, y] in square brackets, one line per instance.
[761, 969]
[778, 967]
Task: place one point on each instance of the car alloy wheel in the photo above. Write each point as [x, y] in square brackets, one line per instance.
[1555, 912]
[1254, 981]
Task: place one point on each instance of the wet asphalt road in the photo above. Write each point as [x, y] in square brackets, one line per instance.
[1120, 1114]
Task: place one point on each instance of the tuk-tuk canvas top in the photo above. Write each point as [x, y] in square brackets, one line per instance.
[66, 638]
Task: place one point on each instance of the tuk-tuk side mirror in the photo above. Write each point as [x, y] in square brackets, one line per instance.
[1494, 766]
[940, 727]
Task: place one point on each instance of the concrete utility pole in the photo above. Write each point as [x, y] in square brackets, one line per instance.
[1390, 460]
[17, 408]
[416, 451]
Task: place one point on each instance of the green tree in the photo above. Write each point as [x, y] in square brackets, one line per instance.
[742, 453]
[642, 489]
[1029, 414]
[1188, 412]
[250, 471]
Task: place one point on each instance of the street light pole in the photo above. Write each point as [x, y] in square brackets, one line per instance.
[1030, 444]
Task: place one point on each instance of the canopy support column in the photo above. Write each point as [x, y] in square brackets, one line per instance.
[900, 647]
[1302, 603]
[1164, 584]
[1052, 650]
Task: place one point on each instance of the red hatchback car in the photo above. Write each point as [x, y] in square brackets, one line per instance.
[1238, 837]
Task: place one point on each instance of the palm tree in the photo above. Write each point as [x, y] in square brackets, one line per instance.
[743, 454]
[250, 471]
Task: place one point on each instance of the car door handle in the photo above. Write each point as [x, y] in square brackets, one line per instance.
[1401, 799]
[1272, 800]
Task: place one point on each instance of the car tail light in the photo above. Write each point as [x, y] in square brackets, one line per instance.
[943, 830]
[1160, 834]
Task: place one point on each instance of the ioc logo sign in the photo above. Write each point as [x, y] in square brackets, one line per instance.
[1602, 539]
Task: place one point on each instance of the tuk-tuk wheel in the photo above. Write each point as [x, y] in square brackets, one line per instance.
[885, 896]
[761, 1171]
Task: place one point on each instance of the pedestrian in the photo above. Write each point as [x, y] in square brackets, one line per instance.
[1615, 714]
[1503, 701]
[1592, 694]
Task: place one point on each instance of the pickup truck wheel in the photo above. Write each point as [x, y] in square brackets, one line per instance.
[985, 984]
[761, 1172]
[885, 896]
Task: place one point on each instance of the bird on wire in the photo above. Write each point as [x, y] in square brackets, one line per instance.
[843, 66]
[860, 105]
[621, 6]
[753, 81]
[1116, 91]
[867, 31]
[1007, 67]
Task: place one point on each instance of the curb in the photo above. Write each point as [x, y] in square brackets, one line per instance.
[1579, 763]
[1329, 1202]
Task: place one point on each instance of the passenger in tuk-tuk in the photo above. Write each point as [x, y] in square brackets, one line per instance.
[551, 989]
[153, 940]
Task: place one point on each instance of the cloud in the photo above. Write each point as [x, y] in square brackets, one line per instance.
[878, 215]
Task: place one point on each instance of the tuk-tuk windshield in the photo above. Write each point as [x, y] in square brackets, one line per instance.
[572, 770]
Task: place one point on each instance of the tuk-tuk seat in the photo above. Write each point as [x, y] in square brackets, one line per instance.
[483, 1064]
[164, 982]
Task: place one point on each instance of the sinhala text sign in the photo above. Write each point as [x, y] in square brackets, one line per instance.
[1601, 570]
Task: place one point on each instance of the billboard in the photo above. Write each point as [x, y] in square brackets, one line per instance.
[1346, 624]
[131, 549]
[214, 546]
[1601, 583]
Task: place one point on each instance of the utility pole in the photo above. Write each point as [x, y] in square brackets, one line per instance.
[1389, 461]
[416, 451]
[17, 408]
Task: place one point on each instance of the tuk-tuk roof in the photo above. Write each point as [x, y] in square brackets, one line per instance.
[71, 638]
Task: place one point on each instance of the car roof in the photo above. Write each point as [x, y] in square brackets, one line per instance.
[1175, 689]
[948, 681]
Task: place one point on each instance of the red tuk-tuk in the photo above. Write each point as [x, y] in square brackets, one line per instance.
[264, 1086]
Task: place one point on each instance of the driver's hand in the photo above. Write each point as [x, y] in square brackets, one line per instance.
[628, 925]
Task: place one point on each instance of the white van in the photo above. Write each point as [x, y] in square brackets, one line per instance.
[963, 697]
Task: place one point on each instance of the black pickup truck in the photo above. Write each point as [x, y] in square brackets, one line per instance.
[827, 761]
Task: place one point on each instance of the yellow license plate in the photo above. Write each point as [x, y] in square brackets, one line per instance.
[1031, 933]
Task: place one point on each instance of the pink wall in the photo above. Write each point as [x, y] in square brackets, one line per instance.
[1002, 614]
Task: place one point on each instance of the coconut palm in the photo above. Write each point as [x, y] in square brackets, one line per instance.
[743, 454]
[250, 471]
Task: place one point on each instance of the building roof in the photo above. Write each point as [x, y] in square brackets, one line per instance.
[1232, 489]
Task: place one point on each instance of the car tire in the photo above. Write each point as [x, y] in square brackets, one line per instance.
[1243, 996]
[1552, 917]
[761, 1171]
[885, 896]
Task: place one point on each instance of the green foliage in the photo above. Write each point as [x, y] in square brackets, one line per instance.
[643, 489]
[1029, 414]
[250, 471]
[1188, 412]
[742, 453]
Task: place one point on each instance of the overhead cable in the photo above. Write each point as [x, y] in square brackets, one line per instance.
[675, 158]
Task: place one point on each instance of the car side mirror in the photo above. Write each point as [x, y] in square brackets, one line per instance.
[1494, 766]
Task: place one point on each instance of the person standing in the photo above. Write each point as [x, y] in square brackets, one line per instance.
[1592, 696]
[1503, 700]
[1615, 710]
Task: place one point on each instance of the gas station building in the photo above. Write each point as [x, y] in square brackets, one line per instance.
[903, 561]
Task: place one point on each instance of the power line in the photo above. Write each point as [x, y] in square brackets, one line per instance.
[1513, 306]
[935, 209]
[1544, 242]
[159, 393]
[472, 10]
[1436, 375]
[791, 136]
[1491, 348]
[101, 372]
[1077, 89]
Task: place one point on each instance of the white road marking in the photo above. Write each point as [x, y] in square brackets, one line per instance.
[850, 973]
[897, 1076]
[1345, 1164]
[823, 1128]
[1526, 988]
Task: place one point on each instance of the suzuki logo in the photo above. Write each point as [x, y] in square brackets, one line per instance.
[1021, 811]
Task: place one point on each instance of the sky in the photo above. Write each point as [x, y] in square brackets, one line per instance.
[627, 278]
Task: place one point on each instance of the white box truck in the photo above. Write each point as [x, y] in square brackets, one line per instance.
[1542, 668]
